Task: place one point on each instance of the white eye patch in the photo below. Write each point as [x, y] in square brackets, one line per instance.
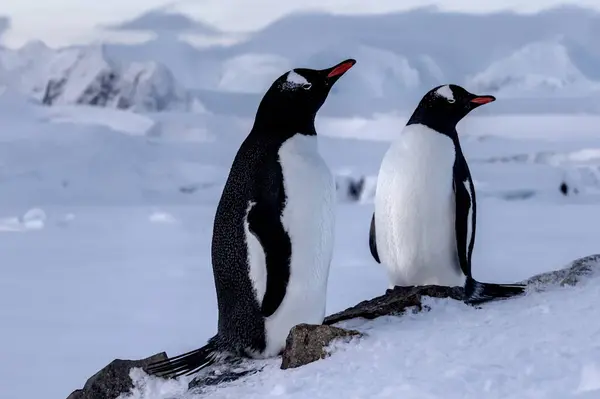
[295, 78]
[295, 81]
[446, 92]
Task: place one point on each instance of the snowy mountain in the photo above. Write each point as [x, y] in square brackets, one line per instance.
[540, 62]
[398, 60]
[542, 69]
[86, 75]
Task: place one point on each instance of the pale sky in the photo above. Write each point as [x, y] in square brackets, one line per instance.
[60, 22]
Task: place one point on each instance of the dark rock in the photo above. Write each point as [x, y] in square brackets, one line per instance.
[54, 89]
[307, 343]
[355, 188]
[394, 302]
[113, 380]
[102, 90]
[574, 273]
[564, 189]
[192, 188]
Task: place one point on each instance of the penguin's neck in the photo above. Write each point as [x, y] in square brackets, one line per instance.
[442, 124]
[283, 120]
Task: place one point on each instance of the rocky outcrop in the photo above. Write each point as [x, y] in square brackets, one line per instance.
[308, 343]
[87, 75]
[578, 271]
[92, 79]
[113, 380]
[395, 302]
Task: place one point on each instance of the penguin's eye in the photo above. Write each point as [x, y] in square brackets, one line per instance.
[451, 100]
[307, 86]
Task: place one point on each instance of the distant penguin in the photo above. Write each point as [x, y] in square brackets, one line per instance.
[423, 227]
[274, 228]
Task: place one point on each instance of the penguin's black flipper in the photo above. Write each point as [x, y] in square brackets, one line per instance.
[465, 216]
[187, 363]
[477, 292]
[264, 221]
[372, 240]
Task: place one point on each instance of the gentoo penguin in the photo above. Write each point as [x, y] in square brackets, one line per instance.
[423, 227]
[274, 228]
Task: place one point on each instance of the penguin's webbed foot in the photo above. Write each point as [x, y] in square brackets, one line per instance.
[477, 292]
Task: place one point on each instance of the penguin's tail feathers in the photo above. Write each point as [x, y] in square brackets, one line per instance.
[187, 363]
[477, 292]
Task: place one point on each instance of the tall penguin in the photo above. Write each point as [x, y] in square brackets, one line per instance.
[423, 227]
[274, 228]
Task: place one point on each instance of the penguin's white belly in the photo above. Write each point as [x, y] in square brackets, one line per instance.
[415, 210]
[308, 218]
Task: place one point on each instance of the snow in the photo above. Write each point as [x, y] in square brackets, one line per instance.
[162, 217]
[125, 122]
[451, 352]
[128, 214]
[106, 214]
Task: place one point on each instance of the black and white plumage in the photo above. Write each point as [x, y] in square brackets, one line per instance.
[424, 224]
[273, 230]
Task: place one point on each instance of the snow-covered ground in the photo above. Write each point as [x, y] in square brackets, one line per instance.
[105, 223]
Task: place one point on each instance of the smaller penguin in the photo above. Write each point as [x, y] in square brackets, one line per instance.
[423, 227]
[273, 231]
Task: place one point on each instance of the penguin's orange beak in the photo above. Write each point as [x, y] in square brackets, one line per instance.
[480, 100]
[340, 69]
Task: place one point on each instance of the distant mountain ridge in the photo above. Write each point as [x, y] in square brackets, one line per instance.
[526, 59]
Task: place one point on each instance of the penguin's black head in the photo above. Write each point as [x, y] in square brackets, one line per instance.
[294, 99]
[444, 106]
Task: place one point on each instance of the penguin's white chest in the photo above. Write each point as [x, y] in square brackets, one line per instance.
[415, 210]
[308, 217]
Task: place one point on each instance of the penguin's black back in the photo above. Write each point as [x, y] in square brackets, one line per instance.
[254, 172]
